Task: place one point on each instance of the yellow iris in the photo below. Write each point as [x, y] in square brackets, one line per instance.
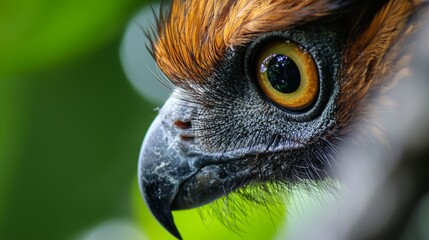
[287, 74]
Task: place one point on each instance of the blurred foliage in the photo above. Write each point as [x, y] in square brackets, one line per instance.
[70, 125]
[40, 33]
[75, 132]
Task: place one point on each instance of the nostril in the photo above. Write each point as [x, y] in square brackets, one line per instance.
[185, 134]
[186, 138]
[182, 125]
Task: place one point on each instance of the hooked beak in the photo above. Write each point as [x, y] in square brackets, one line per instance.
[159, 178]
[173, 175]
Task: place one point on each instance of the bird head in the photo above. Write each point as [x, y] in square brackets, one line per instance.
[264, 92]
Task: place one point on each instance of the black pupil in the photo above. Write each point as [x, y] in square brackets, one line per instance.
[283, 74]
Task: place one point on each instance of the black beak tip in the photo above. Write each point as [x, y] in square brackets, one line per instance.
[157, 195]
[160, 206]
[166, 220]
[161, 210]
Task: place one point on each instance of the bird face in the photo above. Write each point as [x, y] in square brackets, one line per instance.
[263, 92]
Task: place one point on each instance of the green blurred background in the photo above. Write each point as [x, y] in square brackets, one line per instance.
[71, 126]
[70, 123]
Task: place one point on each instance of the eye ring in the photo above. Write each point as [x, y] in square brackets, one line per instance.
[287, 74]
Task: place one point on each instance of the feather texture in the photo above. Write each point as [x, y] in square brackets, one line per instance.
[195, 35]
[374, 56]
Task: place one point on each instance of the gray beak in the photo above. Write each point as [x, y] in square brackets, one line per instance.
[174, 174]
[159, 176]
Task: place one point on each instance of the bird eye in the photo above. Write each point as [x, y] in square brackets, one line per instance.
[287, 74]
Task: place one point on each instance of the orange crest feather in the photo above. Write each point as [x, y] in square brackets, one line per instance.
[196, 34]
